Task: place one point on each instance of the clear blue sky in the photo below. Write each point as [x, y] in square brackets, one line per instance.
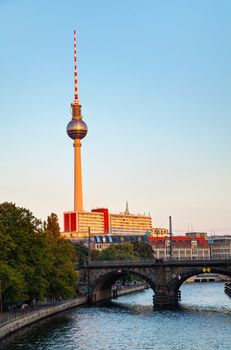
[155, 85]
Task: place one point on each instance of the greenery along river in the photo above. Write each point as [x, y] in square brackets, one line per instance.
[203, 322]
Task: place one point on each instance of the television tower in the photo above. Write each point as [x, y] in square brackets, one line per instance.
[77, 130]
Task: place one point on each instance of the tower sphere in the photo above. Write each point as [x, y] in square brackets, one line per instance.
[77, 129]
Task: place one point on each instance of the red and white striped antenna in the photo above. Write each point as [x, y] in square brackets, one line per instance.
[76, 96]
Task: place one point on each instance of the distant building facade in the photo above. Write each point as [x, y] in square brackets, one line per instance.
[77, 224]
[130, 224]
[101, 222]
[180, 248]
[103, 242]
[220, 247]
[100, 242]
[196, 234]
[159, 232]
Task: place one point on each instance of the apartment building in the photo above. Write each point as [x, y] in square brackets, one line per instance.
[180, 248]
[220, 247]
[100, 221]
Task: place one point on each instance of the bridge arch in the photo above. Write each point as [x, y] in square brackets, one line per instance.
[179, 279]
[101, 288]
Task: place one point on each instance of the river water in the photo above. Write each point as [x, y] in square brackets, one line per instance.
[203, 322]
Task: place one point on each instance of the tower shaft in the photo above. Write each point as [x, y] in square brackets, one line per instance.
[78, 196]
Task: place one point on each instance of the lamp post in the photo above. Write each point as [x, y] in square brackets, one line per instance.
[1, 299]
[89, 245]
[88, 262]
[170, 231]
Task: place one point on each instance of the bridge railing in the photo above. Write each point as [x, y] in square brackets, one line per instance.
[221, 257]
[154, 260]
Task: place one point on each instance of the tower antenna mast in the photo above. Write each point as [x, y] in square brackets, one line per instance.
[76, 96]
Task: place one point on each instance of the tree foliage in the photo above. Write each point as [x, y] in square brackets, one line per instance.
[81, 253]
[122, 251]
[126, 251]
[62, 276]
[144, 250]
[34, 262]
[51, 226]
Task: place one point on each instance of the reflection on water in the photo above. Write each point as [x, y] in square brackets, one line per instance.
[203, 322]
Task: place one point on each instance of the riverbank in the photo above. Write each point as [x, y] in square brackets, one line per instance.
[208, 277]
[128, 290]
[23, 321]
[133, 289]
[37, 315]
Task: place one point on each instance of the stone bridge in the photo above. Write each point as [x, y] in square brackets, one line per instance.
[164, 277]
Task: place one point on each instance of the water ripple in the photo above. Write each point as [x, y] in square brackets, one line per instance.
[203, 322]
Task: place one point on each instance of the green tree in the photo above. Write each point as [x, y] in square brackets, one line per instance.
[121, 251]
[7, 245]
[126, 251]
[52, 225]
[81, 252]
[19, 231]
[63, 277]
[34, 263]
[95, 254]
[144, 250]
[12, 285]
[40, 261]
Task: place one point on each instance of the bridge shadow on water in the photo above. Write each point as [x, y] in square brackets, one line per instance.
[119, 307]
[199, 298]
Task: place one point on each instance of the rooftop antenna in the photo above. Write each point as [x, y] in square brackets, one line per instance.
[126, 210]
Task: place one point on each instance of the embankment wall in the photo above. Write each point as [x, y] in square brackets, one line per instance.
[26, 320]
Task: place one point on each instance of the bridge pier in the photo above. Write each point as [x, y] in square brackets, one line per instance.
[164, 298]
[99, 297]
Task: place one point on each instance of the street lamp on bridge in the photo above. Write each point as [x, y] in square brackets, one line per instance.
[170, 231]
